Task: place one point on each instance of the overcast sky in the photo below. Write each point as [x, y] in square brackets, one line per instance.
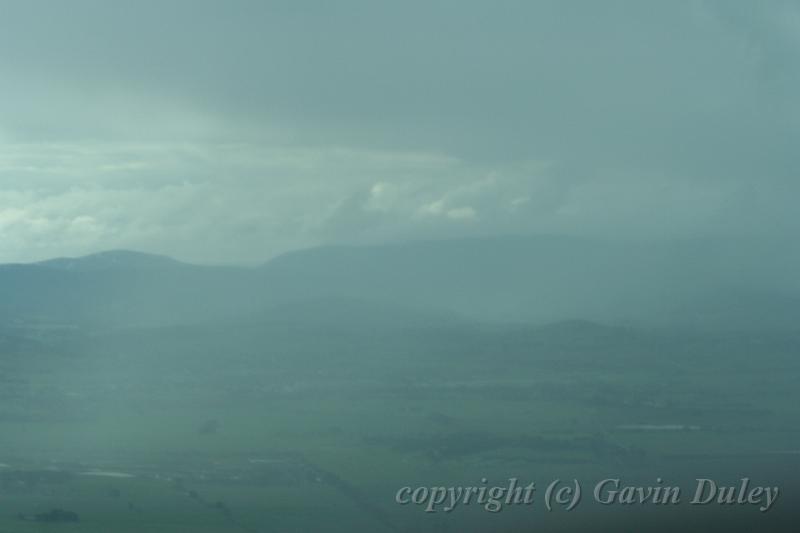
[233, 131]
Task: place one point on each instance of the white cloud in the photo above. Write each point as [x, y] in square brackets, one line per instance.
[461, 213]
[240, 202]
[173, 142]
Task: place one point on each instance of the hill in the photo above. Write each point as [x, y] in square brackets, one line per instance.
[524, 279]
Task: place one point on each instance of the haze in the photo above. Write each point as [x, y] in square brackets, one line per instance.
[279, 266]
[230, 133]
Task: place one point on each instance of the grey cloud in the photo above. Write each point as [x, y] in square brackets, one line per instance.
[267, 126]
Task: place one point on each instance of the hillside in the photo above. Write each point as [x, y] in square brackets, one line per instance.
[530, 279]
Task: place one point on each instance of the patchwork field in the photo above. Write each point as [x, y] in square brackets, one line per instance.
[132, 432]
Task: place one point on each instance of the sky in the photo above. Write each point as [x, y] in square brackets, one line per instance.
[233, 131]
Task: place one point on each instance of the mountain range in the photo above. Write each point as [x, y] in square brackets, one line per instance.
[535, 279]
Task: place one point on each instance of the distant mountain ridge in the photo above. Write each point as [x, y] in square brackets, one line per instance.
[111, 259]
[534, 279]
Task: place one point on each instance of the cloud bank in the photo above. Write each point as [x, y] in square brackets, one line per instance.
[233, 132]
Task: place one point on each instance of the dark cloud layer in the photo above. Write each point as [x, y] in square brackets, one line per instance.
[267, 126]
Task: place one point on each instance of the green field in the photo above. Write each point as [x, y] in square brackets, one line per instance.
[145, 431]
